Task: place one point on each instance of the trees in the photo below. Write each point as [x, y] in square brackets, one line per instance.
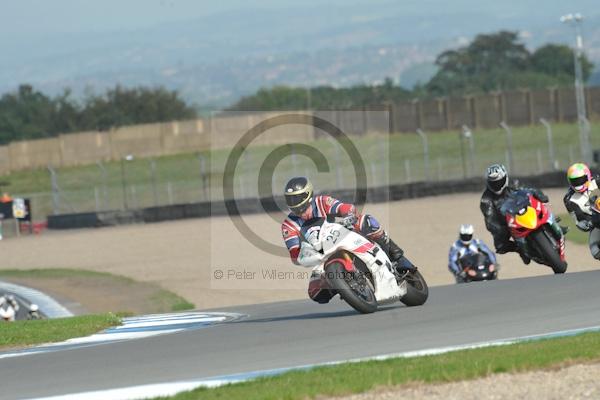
[557, 60]
[26, 114]
[121, 106]
[499, 61]
[29, 114]
[495, 61]
[322, 97]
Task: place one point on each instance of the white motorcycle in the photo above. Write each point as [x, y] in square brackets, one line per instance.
[7, 313]
[358, 269]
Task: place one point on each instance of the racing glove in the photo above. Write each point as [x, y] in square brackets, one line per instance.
[585, 225]
[349, 220]
[313, 239]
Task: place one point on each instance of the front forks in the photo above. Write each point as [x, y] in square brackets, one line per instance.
[556, 230]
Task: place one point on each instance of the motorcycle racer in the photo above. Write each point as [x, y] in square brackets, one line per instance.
[578, 203]
[498, 188]
[304, 206]
[466, 245]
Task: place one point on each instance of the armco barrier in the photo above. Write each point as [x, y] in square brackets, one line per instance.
[257, 206]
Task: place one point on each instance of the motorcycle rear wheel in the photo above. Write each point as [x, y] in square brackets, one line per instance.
[417, 291]
[354, 288]
[548, 252]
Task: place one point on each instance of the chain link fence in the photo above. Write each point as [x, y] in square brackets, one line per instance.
[134, 183]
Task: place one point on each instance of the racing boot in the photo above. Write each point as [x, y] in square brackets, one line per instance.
[503, 247]
[525, 257]
[508, 246]
[523, 252]
[394, 253]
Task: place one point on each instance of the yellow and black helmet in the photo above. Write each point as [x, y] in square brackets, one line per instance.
[298, 194]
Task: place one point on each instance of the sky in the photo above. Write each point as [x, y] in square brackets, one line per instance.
[68, 16]
[55, 16]
[58, 43]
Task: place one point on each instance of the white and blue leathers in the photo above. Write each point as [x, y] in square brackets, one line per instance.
[460, 249]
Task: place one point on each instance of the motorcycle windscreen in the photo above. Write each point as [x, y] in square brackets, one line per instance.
[528, 219]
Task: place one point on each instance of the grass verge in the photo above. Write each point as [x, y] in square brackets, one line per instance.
[26, 333]
[125, 293]
[460, 365]
[574, 234]
[171, 301]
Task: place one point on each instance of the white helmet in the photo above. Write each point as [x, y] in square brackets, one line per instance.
[496, 178]
[33, 307]
[465, 233]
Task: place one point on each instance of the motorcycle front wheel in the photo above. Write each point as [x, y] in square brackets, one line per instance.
[549, 252]
[354, 288]
[417, 291]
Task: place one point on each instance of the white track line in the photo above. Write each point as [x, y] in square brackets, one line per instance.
[170, 389]
[134, 328]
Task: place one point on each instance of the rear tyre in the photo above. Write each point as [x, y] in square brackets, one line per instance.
[549, 252]
[354, 288]
[417, 291]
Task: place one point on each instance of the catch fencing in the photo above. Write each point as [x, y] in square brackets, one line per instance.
[185, 162]
[516, 108]
[136, 183]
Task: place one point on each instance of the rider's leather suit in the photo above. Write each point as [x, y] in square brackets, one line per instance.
[460, 249]
[293, 234]
[578, 206]
[495, 221]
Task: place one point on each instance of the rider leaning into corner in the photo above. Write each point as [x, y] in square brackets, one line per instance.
[304, 207]
[578, 203]
[498, 188]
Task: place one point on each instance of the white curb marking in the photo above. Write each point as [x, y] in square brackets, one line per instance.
[170, 389]
[135, 328]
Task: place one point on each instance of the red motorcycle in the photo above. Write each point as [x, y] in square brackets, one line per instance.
[535, 230]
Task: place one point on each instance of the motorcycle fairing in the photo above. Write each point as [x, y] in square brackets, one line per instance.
[335, 237]
[528, 219]
[522, 219]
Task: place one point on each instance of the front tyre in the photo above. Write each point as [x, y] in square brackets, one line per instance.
[549, 252]
[354, 288]
[417, 291]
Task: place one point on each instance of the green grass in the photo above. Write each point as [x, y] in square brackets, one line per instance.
[460, 365]
[62, 273]
[27, 333]
[169, 300]
[396, 158]
[160, 300]
[574, 234]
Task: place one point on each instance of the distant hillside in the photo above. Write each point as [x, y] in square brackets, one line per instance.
[217, 58]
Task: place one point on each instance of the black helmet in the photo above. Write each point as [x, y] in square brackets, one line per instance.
[298, 194]
[496, 178]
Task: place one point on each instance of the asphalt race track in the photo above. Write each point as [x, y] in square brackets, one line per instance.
[296, 333]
